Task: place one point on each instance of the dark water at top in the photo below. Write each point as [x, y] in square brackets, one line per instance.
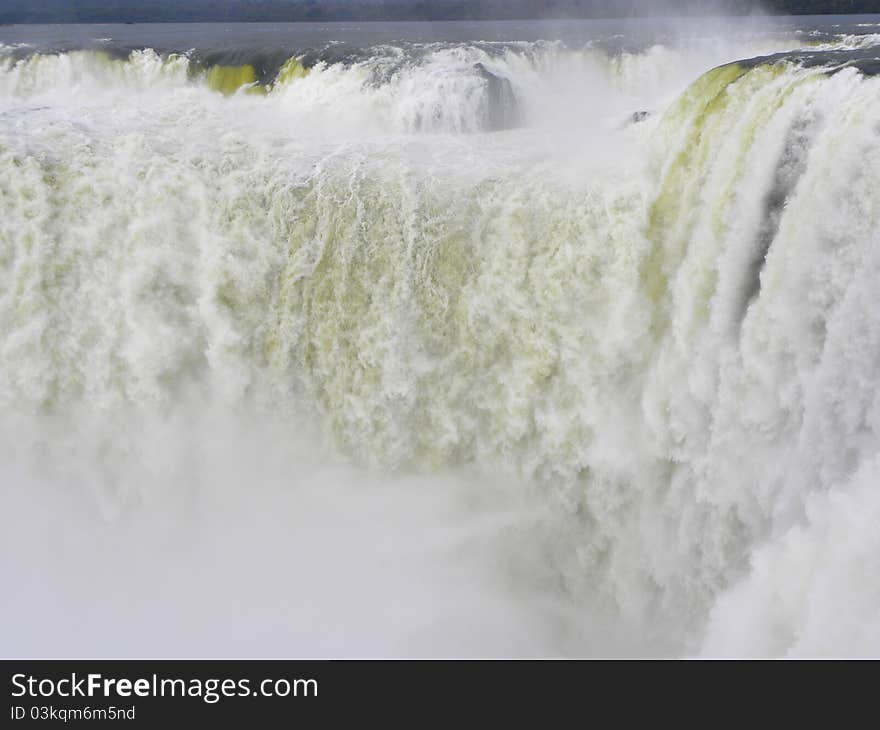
[267, 46]
[351, 37]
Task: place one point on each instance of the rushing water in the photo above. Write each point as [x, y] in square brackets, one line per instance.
[420, 339]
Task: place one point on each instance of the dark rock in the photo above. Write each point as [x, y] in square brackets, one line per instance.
[503, 108]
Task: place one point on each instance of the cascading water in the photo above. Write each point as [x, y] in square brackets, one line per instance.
[434, 349]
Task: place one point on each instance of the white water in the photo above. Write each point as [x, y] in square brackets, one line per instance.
[335, 371]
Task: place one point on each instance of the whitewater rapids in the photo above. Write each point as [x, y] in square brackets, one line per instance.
[446, 348]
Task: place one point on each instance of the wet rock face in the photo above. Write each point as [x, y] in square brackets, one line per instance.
[503, 108]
